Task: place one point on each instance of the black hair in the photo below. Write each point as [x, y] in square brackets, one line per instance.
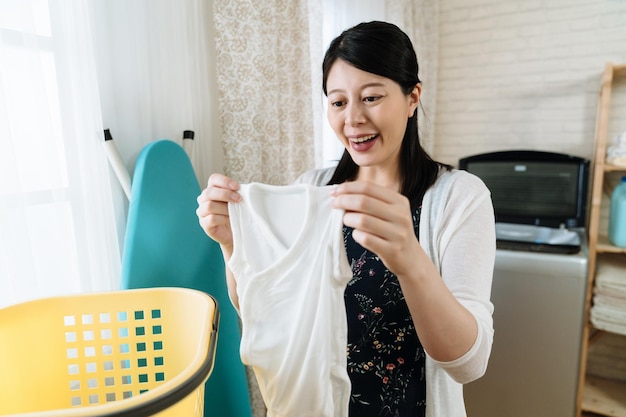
[384, 49]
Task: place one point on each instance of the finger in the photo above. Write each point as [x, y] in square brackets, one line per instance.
[376, 191]
[371, 242]
[213, 221]
[210, 207]
[223, 195]
[360, 203]
[218, 193]
[217, 208]
[222, 181]
[369, 224]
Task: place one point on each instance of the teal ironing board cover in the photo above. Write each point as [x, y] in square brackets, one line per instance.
[166, 247]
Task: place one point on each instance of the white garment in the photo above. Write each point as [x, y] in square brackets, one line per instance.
[291, 270]
[457, 232]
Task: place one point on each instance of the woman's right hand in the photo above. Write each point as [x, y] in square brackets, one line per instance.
[212, 208]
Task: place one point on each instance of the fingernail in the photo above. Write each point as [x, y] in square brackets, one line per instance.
[235, 196]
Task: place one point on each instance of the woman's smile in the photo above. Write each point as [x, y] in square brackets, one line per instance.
[363, 143]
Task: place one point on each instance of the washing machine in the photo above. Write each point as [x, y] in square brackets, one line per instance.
[539, 284]
[539, 301]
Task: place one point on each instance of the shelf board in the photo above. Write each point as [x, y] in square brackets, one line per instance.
[604, 396]
[605, 246]
[614, 168]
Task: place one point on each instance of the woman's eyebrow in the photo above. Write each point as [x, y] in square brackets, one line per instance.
[374, 84]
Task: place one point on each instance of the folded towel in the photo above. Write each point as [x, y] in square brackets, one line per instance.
[610, 274]
[609, 295]
[609, 298]
[606, 357]
[608, 317]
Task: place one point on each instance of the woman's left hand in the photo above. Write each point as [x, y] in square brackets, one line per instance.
[382, 222]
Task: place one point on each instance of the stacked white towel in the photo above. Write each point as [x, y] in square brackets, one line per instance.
[606, 357]
[609, 300]
[616, 153]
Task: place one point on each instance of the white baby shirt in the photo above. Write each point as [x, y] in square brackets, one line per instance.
[291, 270]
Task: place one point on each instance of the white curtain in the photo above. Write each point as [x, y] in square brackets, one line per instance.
[157, 78]
[57, 230]
[155, 61]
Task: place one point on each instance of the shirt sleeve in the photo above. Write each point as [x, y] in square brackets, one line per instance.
[462, 244]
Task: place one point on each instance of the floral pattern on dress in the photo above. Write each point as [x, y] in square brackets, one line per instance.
[386, 361]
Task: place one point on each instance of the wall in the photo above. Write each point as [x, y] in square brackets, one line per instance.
[523, 74]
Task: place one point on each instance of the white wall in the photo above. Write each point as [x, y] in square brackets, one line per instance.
[523, 74]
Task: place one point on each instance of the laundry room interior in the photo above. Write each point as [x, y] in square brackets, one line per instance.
[115, 115]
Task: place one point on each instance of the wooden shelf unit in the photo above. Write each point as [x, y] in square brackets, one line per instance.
[604, 396]
[595, 394]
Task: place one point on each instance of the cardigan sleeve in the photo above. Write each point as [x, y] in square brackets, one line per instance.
[457, 231]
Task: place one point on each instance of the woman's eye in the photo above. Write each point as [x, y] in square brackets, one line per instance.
[370, 99]
[337, 103]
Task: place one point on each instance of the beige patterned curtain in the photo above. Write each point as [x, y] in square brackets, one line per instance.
[264, 83]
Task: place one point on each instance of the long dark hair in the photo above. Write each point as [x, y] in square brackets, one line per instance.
[384, 49]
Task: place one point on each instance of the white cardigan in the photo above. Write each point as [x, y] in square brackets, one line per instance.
[457, 232]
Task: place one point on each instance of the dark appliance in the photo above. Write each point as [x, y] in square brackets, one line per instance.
[543, 189]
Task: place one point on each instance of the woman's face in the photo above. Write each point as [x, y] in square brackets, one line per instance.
[368, 114]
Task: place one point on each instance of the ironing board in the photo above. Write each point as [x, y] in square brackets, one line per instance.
[166, 247]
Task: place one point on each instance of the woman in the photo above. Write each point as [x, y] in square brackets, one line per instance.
[419, 236]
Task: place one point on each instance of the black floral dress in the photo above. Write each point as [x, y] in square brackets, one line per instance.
[386, 361]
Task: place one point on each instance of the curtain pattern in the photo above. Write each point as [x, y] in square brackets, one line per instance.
[264, 82]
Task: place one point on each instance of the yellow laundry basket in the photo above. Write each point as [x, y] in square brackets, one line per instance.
[142, 352]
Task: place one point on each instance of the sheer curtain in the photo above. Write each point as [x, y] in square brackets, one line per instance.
[57, 230]
[156, 72]
[155, 62]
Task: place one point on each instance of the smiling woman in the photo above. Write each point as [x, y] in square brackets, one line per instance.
[364, 97]
[57, 231]
[419, 237]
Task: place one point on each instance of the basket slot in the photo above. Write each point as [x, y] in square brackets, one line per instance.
[123, 348]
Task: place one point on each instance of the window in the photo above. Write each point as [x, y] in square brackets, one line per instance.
[57, 233]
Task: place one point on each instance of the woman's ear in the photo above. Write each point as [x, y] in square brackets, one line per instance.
[414, 98]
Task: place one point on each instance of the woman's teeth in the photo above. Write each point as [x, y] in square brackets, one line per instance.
[364, 138]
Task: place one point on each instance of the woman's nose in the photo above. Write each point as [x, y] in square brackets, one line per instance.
[354, 115]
